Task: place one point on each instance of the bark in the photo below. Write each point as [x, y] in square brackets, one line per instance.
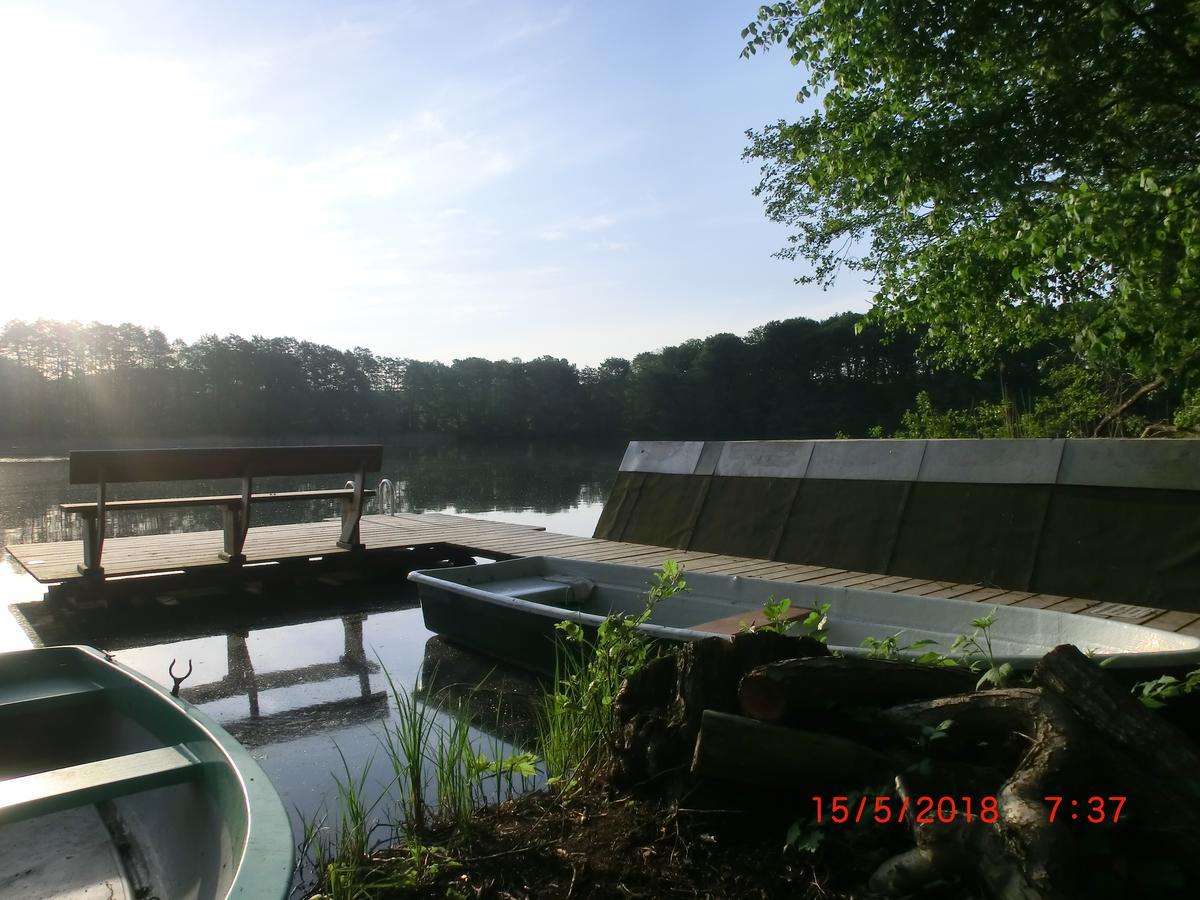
[790, 690]
[734, 748]
[1136, 745]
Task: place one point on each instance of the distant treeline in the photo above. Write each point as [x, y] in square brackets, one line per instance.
[795, 378]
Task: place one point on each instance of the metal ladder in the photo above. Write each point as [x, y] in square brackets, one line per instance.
[387, 497]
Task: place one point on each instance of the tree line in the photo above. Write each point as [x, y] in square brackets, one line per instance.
[792, 378]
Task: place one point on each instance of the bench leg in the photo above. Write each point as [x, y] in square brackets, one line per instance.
[93, 547]
[235, 534]
[351, 513]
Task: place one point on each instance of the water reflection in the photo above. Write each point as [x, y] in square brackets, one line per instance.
[497, 699]
[256, 728]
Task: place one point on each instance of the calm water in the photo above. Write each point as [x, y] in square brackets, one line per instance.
[299, 680]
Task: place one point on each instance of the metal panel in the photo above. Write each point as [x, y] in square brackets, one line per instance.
[991, 461]
[664, 457]
[709, 457]
[765, 459]
[890, 460]
[1132, 463]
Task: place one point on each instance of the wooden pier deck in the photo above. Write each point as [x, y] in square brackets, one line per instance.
[147, 554]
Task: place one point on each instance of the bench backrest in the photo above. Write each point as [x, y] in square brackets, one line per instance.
[113, 466]
[1103, 519]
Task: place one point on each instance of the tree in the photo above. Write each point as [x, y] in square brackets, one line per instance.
[1009, 175]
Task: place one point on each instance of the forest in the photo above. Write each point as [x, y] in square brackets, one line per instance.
[785, 379]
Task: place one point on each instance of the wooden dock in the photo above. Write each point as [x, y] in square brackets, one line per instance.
[56, 563]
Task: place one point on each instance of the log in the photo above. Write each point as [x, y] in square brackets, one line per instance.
[1096, 698]
[658, 710]
[734, 748]
[788, 691]
[1126, 743]
[710, 670]
[1002, 720]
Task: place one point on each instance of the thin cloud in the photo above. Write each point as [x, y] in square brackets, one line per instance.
[532, 28]
[578, 225]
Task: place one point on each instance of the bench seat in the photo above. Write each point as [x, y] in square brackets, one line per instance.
[89, 509]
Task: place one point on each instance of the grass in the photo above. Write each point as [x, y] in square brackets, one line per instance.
[426, 750]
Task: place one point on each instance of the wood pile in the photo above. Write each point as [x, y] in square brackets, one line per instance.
[766, 720]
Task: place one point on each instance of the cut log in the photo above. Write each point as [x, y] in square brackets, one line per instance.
[787, 691]
[658, 710]
[710, 670]
[734, 748]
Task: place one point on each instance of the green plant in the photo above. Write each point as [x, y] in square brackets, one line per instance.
[575, 722]
[1155, 694]
[930, 735]
[804, 835]
[816, 624]
[342, 858]
[891, 648]
[775, 614]
[408, 741]
[976, 651]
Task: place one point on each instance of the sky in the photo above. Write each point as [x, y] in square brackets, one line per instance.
[427, 180]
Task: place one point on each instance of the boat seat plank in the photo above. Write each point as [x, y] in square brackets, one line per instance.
[745, 620]
[42, 693]
[89, 508]
[88, 783]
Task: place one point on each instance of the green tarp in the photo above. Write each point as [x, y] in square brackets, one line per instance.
[1125, 544]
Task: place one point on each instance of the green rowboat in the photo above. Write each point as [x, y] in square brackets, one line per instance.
[112, 788]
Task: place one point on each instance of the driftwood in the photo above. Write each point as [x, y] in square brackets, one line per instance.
[791, 690]
[1089, 737]
[1139, 745]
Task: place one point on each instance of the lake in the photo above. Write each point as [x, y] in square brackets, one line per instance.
[303, 685]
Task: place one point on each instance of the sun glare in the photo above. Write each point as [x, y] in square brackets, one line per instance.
[126, 194]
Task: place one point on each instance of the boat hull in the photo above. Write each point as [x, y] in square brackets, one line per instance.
[509, 609]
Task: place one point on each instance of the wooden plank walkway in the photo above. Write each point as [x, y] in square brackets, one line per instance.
[146, 554]
[56, 562]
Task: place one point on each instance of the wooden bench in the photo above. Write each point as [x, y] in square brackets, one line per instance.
[105, 467]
